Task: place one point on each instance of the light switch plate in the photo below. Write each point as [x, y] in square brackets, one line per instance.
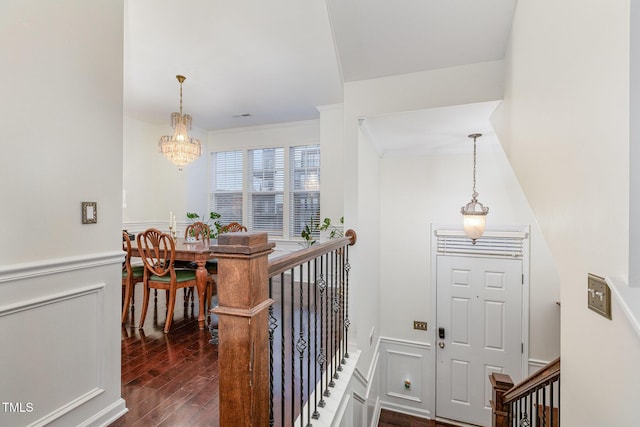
[421, 326]
[598, 295]
[89, 212]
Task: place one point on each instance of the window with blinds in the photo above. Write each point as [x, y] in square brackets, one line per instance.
[226, 185]
[265, 198]
[304, 189]
[274, 189]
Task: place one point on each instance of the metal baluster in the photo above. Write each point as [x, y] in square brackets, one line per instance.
[340, 325]
[544, 406]
[293, 340]
[530, 399]
[309, 341]
[559, 394]
[347, 267]
[273, 324]
[330, 314]
[336, 309]
[282, 352]
[301, 345]
[551, 403]
[326, 335]
[316, 414]
[519, 409]
[537, 406]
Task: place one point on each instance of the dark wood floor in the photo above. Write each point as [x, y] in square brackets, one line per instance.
[168, 379]
[395, 419]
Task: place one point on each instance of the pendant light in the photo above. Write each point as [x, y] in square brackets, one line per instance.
[473, 213]
[180, 148]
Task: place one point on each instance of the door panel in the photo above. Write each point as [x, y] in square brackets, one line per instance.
[479, 305]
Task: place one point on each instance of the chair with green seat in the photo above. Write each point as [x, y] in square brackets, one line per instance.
[130, 275]
[158, 253]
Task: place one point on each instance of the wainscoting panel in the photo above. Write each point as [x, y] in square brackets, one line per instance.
[51, 349]
[406, 381]
[60, 338]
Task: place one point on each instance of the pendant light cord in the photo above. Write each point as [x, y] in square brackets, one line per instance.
[474, 167]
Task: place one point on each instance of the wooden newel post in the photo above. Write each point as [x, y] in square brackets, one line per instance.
[243, 331]
[501, 383]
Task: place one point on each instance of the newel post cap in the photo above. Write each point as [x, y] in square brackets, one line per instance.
[242, 243]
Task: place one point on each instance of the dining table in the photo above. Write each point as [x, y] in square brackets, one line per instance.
[198, 252]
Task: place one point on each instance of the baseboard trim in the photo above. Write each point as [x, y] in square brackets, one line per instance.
[108, 415]
[65, 409]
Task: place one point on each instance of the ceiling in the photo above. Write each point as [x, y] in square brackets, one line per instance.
[277, 60]
[436, 130]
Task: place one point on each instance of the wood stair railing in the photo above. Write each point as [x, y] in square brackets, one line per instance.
[247, 323]
[514, 405]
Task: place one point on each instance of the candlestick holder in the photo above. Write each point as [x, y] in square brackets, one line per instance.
[173, 234]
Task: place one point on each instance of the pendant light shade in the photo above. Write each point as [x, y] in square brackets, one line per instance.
[474, 214]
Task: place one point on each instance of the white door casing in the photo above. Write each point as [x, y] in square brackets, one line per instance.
[479, 293]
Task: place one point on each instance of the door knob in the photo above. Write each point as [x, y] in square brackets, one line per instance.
[441, 344]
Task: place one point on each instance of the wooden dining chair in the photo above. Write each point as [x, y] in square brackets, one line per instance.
[199, 230]
[233, 227]
[130, 275]
[158, 253]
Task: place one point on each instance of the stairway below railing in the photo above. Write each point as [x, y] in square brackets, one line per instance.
[533, 402]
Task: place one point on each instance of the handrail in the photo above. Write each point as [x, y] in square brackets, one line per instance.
[286, 262]
[550, 372]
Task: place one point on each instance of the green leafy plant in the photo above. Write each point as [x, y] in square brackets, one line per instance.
[334, 231]
[213, 222]
[308, 232]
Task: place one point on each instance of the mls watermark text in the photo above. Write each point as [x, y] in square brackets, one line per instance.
[16, 407]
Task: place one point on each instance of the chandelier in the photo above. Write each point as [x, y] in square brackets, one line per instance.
[473, 213]
[180, 148]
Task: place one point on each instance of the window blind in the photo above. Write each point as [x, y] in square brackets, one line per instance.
[265, 198]
[492, 243]
[304, 194]
[226, 185]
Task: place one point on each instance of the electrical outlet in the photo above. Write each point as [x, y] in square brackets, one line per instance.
[421, 326]
[598, 295]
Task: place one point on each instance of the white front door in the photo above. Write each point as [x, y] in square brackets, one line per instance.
[478, 332]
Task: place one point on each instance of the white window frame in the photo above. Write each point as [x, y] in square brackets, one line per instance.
[246, 193]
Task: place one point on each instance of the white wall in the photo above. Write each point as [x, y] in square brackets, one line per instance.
[567, 110]
[438, 88]
[60, 280]
[443, 185]
[332, 155]
[153, 185]
[419, 191]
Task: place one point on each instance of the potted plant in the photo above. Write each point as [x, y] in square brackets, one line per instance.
[213, 222]
[308, 232]
[334, 231]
